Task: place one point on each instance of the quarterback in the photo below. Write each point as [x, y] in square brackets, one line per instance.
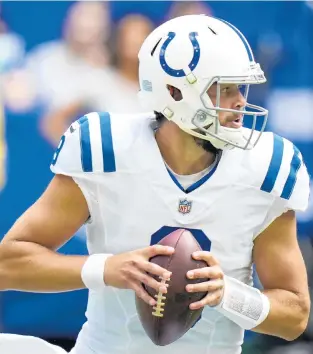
[193, 161]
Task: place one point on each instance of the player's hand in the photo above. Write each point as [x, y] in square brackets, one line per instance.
[214, 287]
[129, 271]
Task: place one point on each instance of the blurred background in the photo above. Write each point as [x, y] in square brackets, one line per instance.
[59, 60]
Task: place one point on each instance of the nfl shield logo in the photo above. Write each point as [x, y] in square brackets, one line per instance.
[184, 206]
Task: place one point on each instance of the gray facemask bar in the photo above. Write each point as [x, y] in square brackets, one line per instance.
[256, 112]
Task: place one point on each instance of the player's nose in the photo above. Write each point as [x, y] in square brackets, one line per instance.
[239, 101]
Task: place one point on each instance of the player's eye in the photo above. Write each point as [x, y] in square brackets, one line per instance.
[225, 89]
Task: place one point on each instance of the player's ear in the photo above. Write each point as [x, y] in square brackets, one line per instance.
[175, 92]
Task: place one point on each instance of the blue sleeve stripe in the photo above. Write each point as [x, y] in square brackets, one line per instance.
[85, 146]
[274, 167]
[292, 177]
[107, 143]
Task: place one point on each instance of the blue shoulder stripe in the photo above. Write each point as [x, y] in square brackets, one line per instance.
[274, 167]
[85, 146]
[292, 177]
[107, 143]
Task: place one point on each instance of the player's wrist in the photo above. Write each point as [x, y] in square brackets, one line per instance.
[92, 272]
[243, 304]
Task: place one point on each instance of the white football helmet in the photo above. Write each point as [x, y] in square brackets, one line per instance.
[192, 53]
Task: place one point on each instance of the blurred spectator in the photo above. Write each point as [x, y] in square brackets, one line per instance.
[12, 48]
[61, 68]
[19, 94]
[130, 33]
[16, 91]
[181, 8]
[104, 89]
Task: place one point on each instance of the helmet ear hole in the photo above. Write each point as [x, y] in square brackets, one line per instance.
[175, 93]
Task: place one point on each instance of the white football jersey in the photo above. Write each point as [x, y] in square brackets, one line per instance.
[134, 201]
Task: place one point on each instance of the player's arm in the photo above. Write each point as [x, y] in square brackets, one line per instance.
[281, 270]
[28, 260]
[282, 309]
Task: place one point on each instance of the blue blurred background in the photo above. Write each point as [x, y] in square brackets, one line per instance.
[59, 60]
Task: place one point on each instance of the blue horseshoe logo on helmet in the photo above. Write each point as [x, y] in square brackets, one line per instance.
[194, 61]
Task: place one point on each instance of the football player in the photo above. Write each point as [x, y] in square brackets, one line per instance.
[192, 163]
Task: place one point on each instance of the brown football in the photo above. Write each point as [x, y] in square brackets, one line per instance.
[171, 318]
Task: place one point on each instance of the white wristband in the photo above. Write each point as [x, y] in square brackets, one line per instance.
[243, 304]
[92, 273]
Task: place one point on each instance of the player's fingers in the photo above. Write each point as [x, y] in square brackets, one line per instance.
[154, 269]
[142, 294]
[157, 250]
[214, 272]
[212, 299]
[209, 286]
[147, 280]
[206, 256]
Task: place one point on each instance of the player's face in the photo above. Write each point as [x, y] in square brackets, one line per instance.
[231, 97]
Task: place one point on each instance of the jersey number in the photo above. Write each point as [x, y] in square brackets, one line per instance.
[58, 150]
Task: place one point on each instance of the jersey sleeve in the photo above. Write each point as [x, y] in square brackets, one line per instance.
[281, 176]
[297, 187]
[286, 175]
[67, 157]
[86, 147]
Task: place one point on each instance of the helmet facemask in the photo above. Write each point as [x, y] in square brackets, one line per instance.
[207, 123]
